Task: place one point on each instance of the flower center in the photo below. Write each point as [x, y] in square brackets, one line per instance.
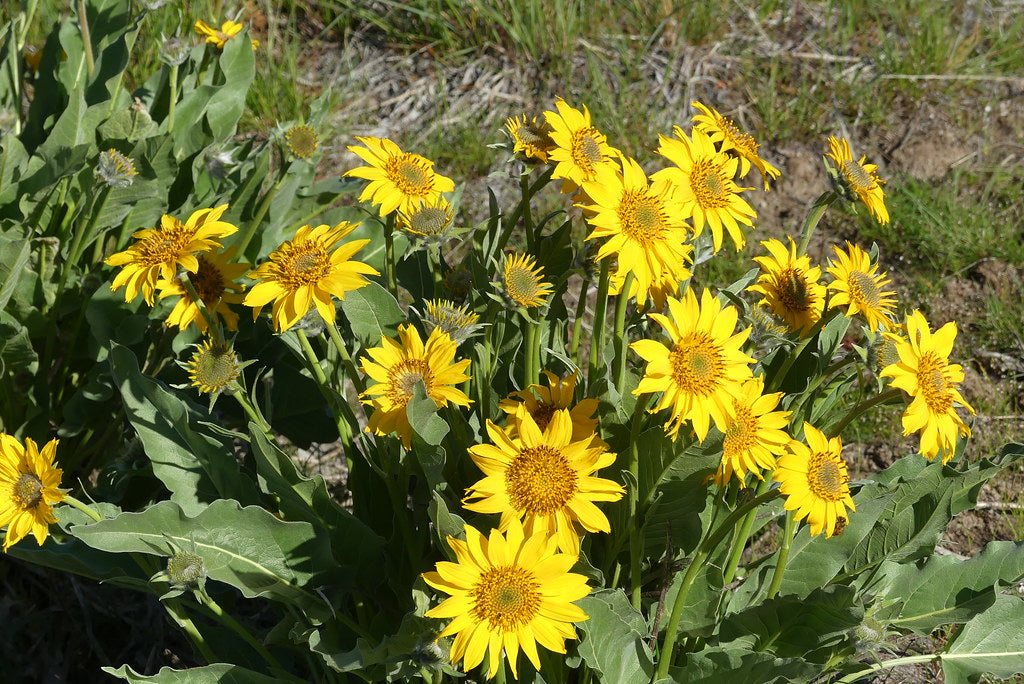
[586, 150]
[739, 436]
[697, 364]
[522, 285]
[28, 491]
[404, 377]
[305, 263]
[213, 368]
[539, 480]
[855, 174]
[185, 568]
[409, 174]
[506, 597]
[642, 217]
[793, 290]
[542, 414]
[825, 478]
[932, 383]
[208, 282]
[709, 184]
[164, 246]
[429, 221]
[864, 290]
[743, 141]
[528, 135]
[303, 141]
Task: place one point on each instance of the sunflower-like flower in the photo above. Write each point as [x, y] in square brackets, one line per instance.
[580, 149]
[397, 366]
[731, 139]
[29, 482]
[213, 367]
[755, 433]
[305, 271]
[218, 37]
[859, 286]
[430, 221]
[542, 403]
[302, 141]
[644, 226]
[214, 282]
[524, 282]
[924, 373]
[115, 169]
[507, 592]
[458, 322]
[815, 481]
[858, 180]
[399, 181]
[789, 285]
[703, 177]
[159, 251]
[530, 140]
[703, 370]
[544, 478]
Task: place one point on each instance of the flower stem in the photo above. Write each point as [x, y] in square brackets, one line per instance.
[814, 215]
[389, 254]
[251, 411]
[897, 662]
[860, 408]
[531, 343]
[77, 243]
[261, 211]
[237, 628]
[787, 542]
[174, 99]
[597, 337]
[635, 538]
[346, 358]
[174, 609]
[739, 540]
[524, 187]
[508, 226]
[83, 507]
[792, 356]
[577, 325]
[620, 333]
[83, 25]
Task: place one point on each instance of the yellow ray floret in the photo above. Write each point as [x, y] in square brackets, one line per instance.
[860, 287]
[815, 482]
[29, 482]
[860, 180]
[731, 139]
[789, 285]
[399, 181]
[215, 284]
[754, 435]
[579, 148]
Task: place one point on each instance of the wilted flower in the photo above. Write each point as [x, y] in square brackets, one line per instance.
[115, 169]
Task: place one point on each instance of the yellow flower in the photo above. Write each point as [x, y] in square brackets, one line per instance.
[524, 281]
[543, 478]
[397, 366]
[924, 373]
[859, 179]
[530, 140]
[815, 482]
[159, 251]
[704, 369]
[858, 284]
[228, 30]
[542, 403]
[399, 181]
[214, 283]
[703, 177]
[458, 322]
[28, 489]
[644, 225]
[731, 138]
[790, 286]
[580, 149]
[304, 271]
[430, 220]
[507, 592]
[754, 435]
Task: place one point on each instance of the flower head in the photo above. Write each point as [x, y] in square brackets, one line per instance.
[29, 484]
[858, 180]
[580, 149]
[458, 322]
[644, 226]
[754, 434]
[731, 139]
[815, 482]
[213, 367]
[544, 478]
[159, 251]
[524, 281]
[214, 282]
[431, 221]
[790, 285]
[399, 181]
[703, 370]
[302, 141]
[115, 169]
[542, 402]
[924, 373]
[530, 140]
[308, 270]
[507, 592]
[859, 286]
[218, 37]
[398, 366]
[703, 177]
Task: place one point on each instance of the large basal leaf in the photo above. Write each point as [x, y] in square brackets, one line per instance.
[239, 66]
[614, 638]
[991, 643]
[947, 589]
[373, 313]
[194, 464]
[248, 548]
[736, 665]
[223, 673]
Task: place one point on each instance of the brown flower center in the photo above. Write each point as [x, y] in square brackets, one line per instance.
[857, 176]
[506, 597]
[709, 184]
[28, 491]
[539, 480]
[303, 263]
[793, 291]
[409, 173]
[864, 290]
[586, 150]
[403, 378]
[542, 414]
[208, 282]
[740, 436]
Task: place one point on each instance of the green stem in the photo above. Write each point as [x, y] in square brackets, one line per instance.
[83, 507]
[620, 333]
[237, 628]
[898, 662]
[814, 215]
[635, 536]
[174, 609]
[261, 211]
[739, 540]
[346, 358]
[314, 362]
[860, 408]
[343, 418]
[672, 629]
[508, 226]
[787, 542]
[83, 25]
[792, 356]
[212, 324]
[173, 102]
[597, 336]
[524, 187]
[251, 411]
[74, 252]
[389, 254]
[577, 325]
[530, 372]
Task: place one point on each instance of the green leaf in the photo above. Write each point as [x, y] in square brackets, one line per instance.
[373, 313]
[446, 524]
[238, 66]
[223, 673]
[991, 643]
[731, 664]
[248, 548]
[194, 464]
[422, 413]
[613, 641]
[20, 251]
